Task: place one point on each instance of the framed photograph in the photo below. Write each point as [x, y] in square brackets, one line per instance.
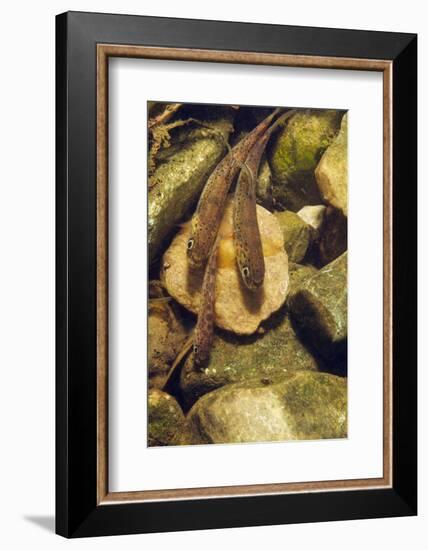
[236, 274]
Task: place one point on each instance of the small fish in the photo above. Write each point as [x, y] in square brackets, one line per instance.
[203, 335]
[248, 244]
[207, 218]
[200, 341]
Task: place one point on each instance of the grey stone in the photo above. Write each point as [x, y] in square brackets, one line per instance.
[319, 305]
[274, 352]
[305, 405]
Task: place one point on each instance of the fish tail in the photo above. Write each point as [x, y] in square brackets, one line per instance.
[183, 225]
[280, 120]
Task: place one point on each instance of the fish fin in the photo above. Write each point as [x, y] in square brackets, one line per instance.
[183, 225]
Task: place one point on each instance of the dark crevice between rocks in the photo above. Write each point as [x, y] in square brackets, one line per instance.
[333, 362]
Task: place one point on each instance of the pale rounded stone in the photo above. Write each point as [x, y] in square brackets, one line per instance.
[312, 215]
[236, 309]
[332, 171]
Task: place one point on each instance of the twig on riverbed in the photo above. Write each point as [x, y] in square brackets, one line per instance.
[187, 346]
[165, 115]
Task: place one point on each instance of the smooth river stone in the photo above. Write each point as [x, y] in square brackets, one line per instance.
[319, 306]
[332, 171]
[305, 405]
[295, 153]
[273, 353]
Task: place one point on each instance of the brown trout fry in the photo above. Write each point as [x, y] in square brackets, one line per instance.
[248, 244]
[203, 335]
[207, 218]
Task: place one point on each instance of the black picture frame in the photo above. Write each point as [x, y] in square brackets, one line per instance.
[77, 512]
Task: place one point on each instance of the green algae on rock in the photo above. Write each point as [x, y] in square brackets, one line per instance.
[298, 274]
[297, 235]
[319, 305]
[179, 179]
[273, 353]
[166, 419]
[295, 154]
[237, 309]
[332, 170]
[305, 405]
[313, 215]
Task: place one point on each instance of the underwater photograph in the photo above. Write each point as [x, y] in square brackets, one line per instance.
[247, 274]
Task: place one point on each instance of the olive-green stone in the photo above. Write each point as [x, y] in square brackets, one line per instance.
[165, 418]
[297, 234]
[233, 358]
[183, 167]
[298, 274]
[179, 182]
[319, 306]
[295, 154]
[305, 405]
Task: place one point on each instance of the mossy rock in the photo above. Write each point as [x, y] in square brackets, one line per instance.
[165, 418]
[304, 405]
[272, 353]
[332, 170]
[178, 180]
[300, 273]
[297, 234]
[319, 306]
[295, 154]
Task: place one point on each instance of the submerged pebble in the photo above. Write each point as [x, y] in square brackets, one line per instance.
[303, 405]
[312, 215]
[319, 306]
[165, 418]
[178, 180]
[236, 308]
[295, 154]
[332, 171]
[274, 352]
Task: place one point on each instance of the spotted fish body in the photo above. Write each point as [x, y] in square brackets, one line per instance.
[204, 329]
[248, 244]
[207, 218]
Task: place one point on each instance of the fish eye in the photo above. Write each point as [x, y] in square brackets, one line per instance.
[190, 244]
[195, 348]
[245, 272]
